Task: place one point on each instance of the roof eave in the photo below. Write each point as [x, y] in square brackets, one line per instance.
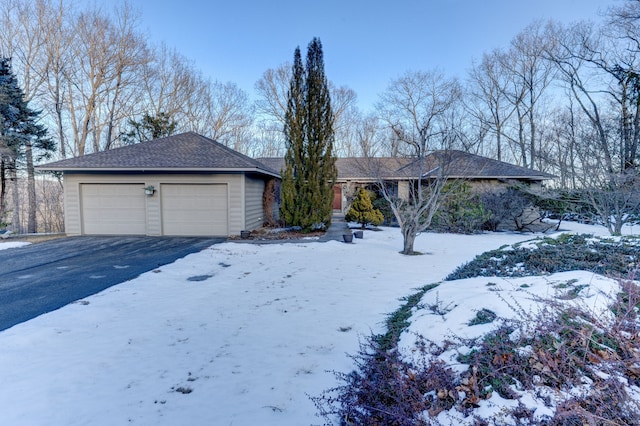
[386, 178]
[371, 179]
[502, 177]
[160, 170]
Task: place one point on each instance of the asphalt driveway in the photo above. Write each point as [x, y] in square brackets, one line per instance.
[42, 277]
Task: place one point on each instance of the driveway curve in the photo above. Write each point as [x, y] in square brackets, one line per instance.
[43, 277]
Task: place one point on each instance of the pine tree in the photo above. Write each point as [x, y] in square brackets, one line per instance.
[310, 171]
[21, 138]
[149, 128]
[362, 210]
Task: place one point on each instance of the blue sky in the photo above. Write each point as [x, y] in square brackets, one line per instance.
[367, 43]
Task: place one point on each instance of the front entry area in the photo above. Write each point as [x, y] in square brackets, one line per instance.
[337, 197]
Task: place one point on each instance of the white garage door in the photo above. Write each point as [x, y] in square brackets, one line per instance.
[194, 210]
[113, 209]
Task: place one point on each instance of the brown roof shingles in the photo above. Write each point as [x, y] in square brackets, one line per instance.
[193, 152]
[459, 164]
[185, 151]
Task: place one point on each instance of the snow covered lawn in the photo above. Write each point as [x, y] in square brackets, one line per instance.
[238, 334]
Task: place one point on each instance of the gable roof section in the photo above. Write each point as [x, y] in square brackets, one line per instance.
[183, 152]
[355, 168]
[464, 165]
[459, 164]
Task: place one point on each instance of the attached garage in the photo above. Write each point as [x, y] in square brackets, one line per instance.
[109, 209]
[181, 185]
[189, 209]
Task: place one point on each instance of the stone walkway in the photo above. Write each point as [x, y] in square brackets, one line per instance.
[335, 232]
[337, 228]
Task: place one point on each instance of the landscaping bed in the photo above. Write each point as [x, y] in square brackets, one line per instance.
[276, 234]
[509, 339]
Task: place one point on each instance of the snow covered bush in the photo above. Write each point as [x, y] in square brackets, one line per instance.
[384, 390]
[562, 365]
[615, 256]
[549, 348]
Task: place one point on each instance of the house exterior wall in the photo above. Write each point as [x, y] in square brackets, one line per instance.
[403, 190]
[235, 184]
[254, 209]
[484, 185]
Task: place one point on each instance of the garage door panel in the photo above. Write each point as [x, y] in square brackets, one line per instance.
[113, 209]
[194, 210]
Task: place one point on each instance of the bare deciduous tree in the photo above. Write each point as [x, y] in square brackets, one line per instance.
[489, 83]
[415, 108]
[346, 117]
[272, 91]
[168, 82]
[25, 39]
[530, 74]
[109, 55]
[230, 114]
[271, 107]
[599, 70]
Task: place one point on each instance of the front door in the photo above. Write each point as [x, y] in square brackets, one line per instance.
[337, 197]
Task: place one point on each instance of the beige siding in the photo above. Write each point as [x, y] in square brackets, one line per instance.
[154, 214]
[73, 207]
[72, 223]
[254, 209]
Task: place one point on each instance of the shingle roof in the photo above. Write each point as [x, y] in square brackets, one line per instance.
[458, 164]
[183, 152]
[354, 167]
[193, 152]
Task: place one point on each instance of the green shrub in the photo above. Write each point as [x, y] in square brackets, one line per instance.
[461, 211]
[362, 210]
[380, 203]
[483, 316]
[566, 253]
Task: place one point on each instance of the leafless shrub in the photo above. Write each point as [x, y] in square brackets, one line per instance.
[385, 390]
[587, 360]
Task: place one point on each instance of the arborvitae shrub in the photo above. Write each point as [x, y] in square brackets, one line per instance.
[362, 210]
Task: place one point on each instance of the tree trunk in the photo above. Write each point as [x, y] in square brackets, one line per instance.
[409, 237]
[617, 226]
[32, 226]
[59, 121]
[16, 225]
[3, 189]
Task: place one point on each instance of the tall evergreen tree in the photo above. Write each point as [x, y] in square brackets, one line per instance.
[310, 171]
[21, 138]
[293, 209]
